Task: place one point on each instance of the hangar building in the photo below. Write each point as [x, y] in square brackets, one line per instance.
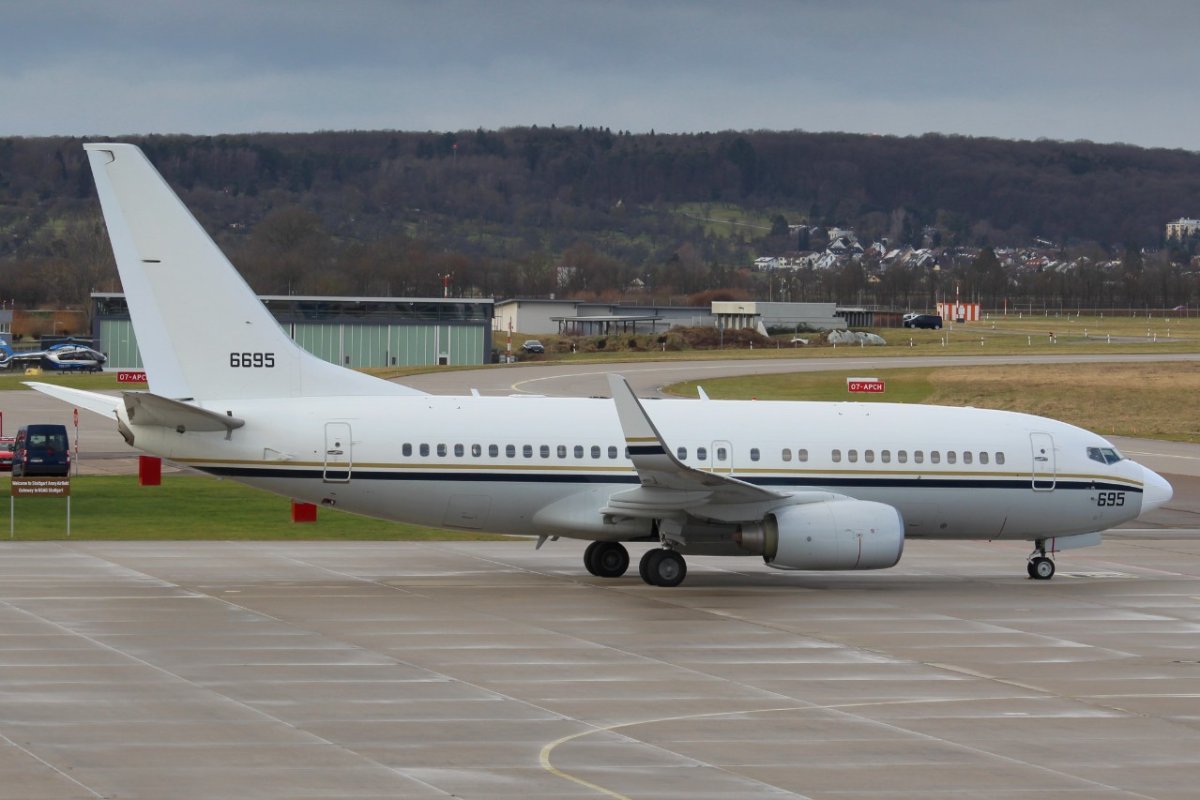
[351, 331]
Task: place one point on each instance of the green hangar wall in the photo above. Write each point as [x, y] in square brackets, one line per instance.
[351, 331]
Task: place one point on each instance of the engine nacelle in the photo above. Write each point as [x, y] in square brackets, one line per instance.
[835, 534]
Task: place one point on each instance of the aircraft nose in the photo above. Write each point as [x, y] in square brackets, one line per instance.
[1155, 490]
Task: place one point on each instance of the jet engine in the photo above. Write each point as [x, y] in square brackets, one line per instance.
[834, 534]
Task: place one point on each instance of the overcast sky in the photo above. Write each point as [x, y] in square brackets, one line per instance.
[1108, 70]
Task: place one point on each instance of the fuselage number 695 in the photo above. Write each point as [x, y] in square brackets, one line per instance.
[1110, 499]
[252, 360]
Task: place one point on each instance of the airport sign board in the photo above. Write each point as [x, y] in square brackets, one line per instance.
[864, 385]
[41, 487]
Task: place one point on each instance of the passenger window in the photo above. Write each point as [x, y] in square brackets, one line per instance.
[510, 451]
[458, 451]
[852, 456]
[935, 457]
[983, 458]
[754, 454]
[721, 454]
[787, 454]
[681, 453]
[837, 456]
[595, 451]
[544, 451]
[885, 456]
[702, 453]
[918, 457]
[527, 451]
[966, 456]
[562, 451]
[951, 457]
[424, 449]
[579, 451]
[869, 456]
[999, 458]
[612, 451]
[477, 450]
[802, 455]
[902, 456]
[441, 451]
[406, 449]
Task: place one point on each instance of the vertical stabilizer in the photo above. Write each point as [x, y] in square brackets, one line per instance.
[202, 332]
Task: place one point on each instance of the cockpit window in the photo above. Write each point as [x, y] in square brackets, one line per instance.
[1105, 455]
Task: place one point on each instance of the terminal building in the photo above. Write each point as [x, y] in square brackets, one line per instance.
[351, 331]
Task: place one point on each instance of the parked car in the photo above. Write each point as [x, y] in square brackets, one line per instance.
[6, 451]
[41, 450]
[932, 321]
[533, 346]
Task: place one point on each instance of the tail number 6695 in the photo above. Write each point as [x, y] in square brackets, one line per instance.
[252, 360]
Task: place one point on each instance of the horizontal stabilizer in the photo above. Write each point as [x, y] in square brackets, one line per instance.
[144, 408]
[103, 404]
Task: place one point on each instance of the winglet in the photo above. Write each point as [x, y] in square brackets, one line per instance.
[659, 469]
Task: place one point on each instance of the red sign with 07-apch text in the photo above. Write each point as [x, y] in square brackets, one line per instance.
[131, 376]
[864, 385]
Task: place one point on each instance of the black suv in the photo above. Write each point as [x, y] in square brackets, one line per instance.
[923, 321]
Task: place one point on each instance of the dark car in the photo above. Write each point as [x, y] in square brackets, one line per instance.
[41, 450]
[533, 346]
[932, 321]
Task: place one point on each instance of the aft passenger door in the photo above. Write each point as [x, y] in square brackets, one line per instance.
[1043, 461]
[339, 454]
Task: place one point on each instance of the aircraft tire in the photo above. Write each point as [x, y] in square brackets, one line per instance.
[609, 560]
[649, 564]
[1041, 568]
[589, 558]
[669, 569]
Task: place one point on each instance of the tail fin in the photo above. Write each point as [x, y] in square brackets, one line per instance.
[202, 332]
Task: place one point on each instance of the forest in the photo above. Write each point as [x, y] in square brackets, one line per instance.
[589, 212]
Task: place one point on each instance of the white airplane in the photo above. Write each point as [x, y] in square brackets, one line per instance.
[802, 485]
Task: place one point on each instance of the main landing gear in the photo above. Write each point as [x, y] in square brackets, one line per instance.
[658, 567]
[606, 559]
[1040, 567]
[662, 568]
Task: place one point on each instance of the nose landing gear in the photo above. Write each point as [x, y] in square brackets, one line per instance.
[1040, 567]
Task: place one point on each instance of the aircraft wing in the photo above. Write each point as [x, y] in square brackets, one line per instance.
[669, 485]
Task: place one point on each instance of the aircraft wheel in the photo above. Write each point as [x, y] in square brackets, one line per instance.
[589, 557]
[609, 559]
[669, 569]
[1041, 568]
[649, 564]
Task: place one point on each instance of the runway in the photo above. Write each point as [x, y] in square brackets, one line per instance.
[493, 670]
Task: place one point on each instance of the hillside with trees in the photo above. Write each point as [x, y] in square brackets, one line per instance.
[590, 212]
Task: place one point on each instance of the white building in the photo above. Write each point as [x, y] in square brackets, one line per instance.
[1182, 228]
[738, 314]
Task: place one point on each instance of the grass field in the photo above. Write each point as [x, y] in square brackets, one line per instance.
[194, 507]
[1153, 400]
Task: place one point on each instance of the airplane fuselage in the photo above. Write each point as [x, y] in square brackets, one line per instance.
[528, 465]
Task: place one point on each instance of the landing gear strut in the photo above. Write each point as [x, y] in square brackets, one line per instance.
[1040, 567]
[662, 568]
[606, 559]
